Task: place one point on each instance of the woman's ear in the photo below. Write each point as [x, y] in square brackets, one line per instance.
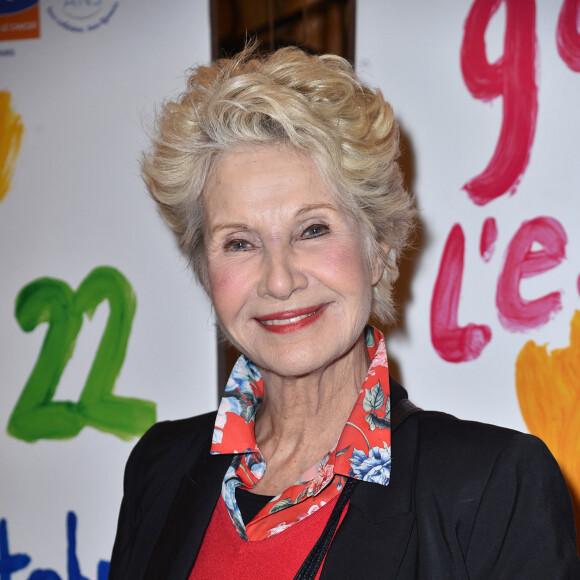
[378, 264]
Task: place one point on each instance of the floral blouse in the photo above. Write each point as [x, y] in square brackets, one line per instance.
[363, 450]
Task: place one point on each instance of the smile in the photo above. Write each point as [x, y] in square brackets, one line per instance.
[291, 320]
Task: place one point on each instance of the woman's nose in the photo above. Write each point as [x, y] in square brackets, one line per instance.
[281, 276]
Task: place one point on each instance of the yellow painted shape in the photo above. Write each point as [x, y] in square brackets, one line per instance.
[11, 130]
[548, 388]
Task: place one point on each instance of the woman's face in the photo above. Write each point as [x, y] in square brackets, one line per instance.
[288, 273]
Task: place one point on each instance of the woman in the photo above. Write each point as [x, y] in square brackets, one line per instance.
[278, 176]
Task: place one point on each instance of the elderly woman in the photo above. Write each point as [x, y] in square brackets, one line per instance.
[278, 176]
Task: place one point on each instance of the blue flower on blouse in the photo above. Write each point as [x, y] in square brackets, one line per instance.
[229, 485]
[374, 467]
[257, 465]
[239, 396]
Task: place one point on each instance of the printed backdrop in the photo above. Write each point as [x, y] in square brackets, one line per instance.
[102, 331]
[93, 294]
[487, 95]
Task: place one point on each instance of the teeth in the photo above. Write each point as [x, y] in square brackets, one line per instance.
[286, 320]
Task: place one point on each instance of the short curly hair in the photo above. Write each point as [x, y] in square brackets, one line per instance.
[314, 103]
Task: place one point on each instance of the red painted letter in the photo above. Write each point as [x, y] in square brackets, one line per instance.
[567, 35]
[521, 262]
[488, 239]
[513, 77]
[453, 343]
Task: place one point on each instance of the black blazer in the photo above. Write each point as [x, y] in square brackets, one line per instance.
[466, 500]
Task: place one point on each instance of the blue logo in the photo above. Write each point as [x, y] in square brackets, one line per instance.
[14, 6]
[82, 15]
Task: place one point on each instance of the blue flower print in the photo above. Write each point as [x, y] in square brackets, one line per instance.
[243, 401]
[376, 467]
[229, 484]
[244, 371]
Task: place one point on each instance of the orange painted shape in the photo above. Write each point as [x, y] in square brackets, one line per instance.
[20, 25]
[548, 389]
[11, 130]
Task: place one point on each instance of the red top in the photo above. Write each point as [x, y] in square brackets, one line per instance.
[224, 554]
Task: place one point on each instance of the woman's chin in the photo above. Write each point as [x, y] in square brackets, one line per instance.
[288, 362]
[300, 360]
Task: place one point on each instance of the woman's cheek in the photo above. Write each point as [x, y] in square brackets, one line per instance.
[344, 264]
[228, 284]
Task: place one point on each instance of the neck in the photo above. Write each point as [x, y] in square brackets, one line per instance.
[301, 418]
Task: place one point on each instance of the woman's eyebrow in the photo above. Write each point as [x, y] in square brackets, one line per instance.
[240, 226]
[229, 226]
[315, 206]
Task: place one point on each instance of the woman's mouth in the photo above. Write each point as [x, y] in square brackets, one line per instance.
[291, 320]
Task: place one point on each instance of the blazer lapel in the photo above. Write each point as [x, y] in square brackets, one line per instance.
[182, 534]
[373, 537]
[372, 540]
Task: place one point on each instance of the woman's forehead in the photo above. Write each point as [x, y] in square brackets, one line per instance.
[268, 182]
[265, 176]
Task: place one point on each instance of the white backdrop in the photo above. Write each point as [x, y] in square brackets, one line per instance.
[412, 50]
[76, 203]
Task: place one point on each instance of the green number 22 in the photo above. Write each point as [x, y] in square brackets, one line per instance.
[36, 415]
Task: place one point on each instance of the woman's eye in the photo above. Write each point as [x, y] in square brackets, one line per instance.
[237, 245]
[315, 231]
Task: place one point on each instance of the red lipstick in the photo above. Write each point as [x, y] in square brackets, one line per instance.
[291, 320]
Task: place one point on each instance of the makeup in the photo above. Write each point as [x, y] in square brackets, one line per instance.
[291, 320]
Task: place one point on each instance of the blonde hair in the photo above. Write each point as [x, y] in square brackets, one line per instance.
[317, 105]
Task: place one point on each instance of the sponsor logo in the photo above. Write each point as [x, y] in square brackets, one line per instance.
[19, 19]
[82, 15]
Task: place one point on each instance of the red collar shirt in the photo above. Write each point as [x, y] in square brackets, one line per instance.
[363, 450]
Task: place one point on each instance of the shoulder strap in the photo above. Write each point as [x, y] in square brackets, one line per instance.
[313, 561]
[401, 411]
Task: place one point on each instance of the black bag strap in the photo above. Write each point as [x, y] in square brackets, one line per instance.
[313, 561]
[400, 412]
